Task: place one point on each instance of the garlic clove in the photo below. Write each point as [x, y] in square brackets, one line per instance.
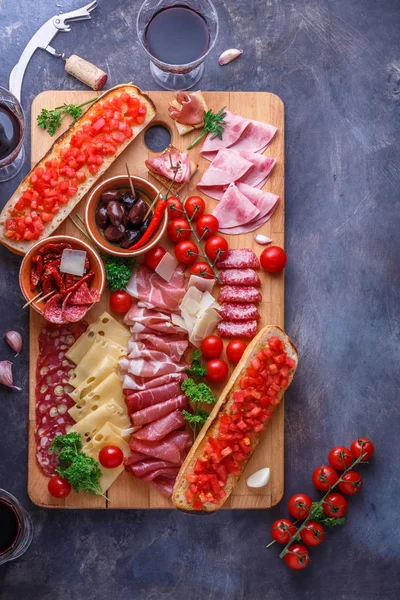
[14, 340]
[259, 479]
[262, 239]
[6, 377]
[229, 55]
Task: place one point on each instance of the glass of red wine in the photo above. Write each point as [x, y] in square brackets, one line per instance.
[12, 129]
[16, 529]
[177, 35]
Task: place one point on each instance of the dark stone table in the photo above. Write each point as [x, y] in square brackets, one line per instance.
[336, 65]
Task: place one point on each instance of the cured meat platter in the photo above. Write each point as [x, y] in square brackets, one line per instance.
[128, 492]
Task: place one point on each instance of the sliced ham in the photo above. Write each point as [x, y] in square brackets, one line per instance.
[142, 468]
[148, 286]
[257, 137]
[152, 413]
[264, 201]
[139, 400]
[239, 293]
[237, 312]
[262, 167]
[165, 449]
[151, 367]
[243, 258]
[171, 164]
[234, 209]
[240, 277]
[157, 430]
[169, 472]
[132, 382]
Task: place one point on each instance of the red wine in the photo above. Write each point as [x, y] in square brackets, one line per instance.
[9, 526]
[10, 131]
[177, 35]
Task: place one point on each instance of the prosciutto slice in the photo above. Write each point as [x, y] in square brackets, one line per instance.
[160, 428]
[142, 468]
[169, 472]
[165, 163]
[131, 382]
[152, 413]
[149, 287]
[140, 400]
[151, 367]
[134, 458]
[235, 209]
[173, 346]
[165, 449]
[164, 485]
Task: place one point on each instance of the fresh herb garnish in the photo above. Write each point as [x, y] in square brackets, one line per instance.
[317, 514]
[198, 394]
[196, 370]
[118, 271]
[213, 123]
[82, 471]
[196, 420]
[50, 120]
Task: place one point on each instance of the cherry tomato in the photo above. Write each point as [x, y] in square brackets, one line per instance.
[351, 484]
[340, 458]
[297, 557]
[111, 457]
[153, 256]
[282, 530]
[273, 259]
[174, 208]
[312, 534]
[235, 349]
[362, 446]
[207, 226]
[212, 346]
[59, 487]
[335, 506]
[299, 506]
[215, 246]
[217, 370]
[324, 477]
[186, 252]
[195, 207]
[120, 302]
[202, 269]
[178, 230]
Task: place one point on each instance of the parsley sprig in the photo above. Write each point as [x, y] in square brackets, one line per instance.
[198, 393]
[317, 514]
[214, 123]
[196, 370]
[82, 471]
[118, 271]
[51, 120]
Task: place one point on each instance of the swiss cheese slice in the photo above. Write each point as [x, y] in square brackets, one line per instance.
[204, 326]
[106, 366]
[106, 436]
[100, 347]
[105, 326]
[92, 423]
[110, 387]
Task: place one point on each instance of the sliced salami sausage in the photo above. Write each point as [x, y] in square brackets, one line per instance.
[233, 329]
[243, 258]
[238, 312]
[240, 277]
[239, 293]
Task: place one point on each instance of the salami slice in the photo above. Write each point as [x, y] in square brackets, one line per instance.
[82, 295]
[243, 258]
[238, 312]
[233, 329]
[53, 309]
[240, 277]
[238, 293]
[74, 312]
[47, 460]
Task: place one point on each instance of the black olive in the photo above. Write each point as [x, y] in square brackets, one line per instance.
[125, 218]
[102, 216]
[128, 200]
[145, 225]
[114, 234]
[111, 195]
[115, 212]
[131, 237]
[137, 212]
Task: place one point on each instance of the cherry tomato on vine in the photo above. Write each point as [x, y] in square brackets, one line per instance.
[273, 259]
[235, 349]
[282, 530]
[335, 506]
[120, 302]
[299, 506]
[324, 477]
[351, 484]
[297, 557]
[340, 458]
[215, 246]
[202, 269]
[186, 252]
[153, 256]
[217, 370]
[195, 207]
[362, 446]
[212, 346]
[207, 226]
[111, 457]
[312, 534]
[178, 230]
[59, 487]
[174, 208]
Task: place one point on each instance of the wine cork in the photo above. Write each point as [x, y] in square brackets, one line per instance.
[86, 72]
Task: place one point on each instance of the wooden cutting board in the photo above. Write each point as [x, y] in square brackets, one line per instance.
[128, 492]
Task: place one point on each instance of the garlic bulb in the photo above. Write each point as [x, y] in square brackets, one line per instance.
[14, 340]
[229, 55]
[259, 479]
[6, 377]
[262, 239]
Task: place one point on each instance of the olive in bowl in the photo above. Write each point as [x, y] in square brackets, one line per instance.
[115, 218]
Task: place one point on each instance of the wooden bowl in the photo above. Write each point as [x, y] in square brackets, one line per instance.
[147, 191]
[98, 282]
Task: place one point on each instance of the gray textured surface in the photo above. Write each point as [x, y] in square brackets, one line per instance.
[336, 65]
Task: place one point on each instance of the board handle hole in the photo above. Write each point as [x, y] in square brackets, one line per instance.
[157, 138]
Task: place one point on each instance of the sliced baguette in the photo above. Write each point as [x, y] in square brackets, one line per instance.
[184, 129]
[224, 403]
[21, 247]
[165, 182]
